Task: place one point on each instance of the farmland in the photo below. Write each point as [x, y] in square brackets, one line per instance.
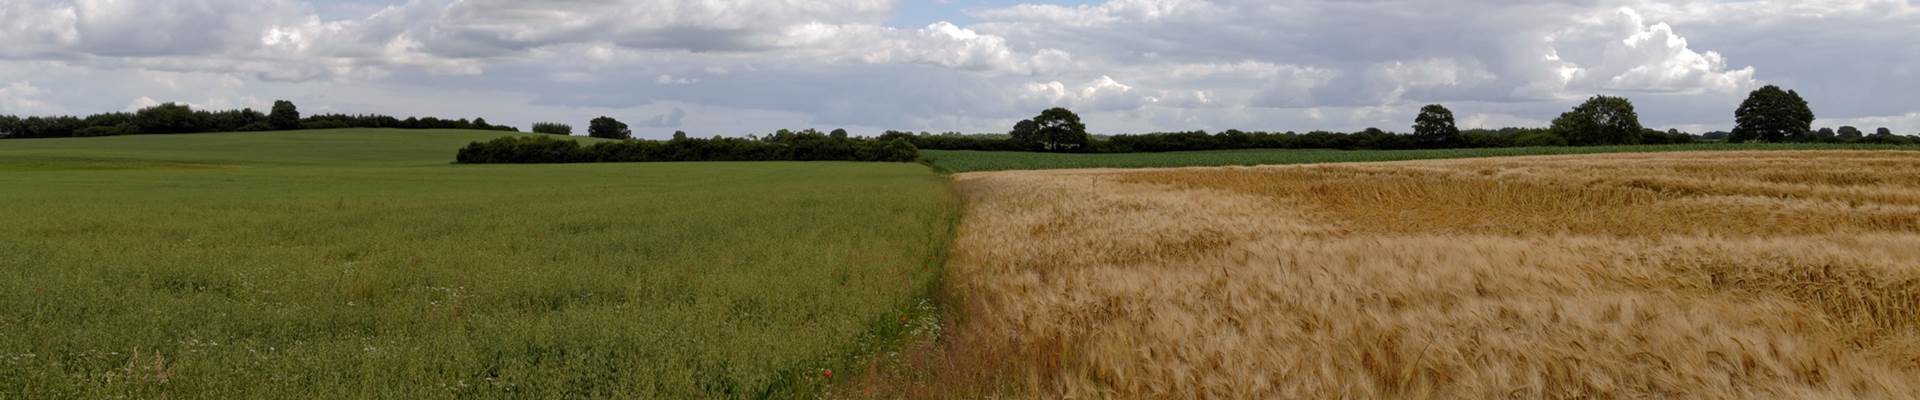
[362, 264]
[971, 161]
[1694, 275]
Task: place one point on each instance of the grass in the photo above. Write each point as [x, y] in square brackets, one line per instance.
[1670, 275]
[361, 264]
[335, 148]
[971, 161]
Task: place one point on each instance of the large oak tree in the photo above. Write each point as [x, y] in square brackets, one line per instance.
[1056, 129]
[608, 128]
[1771, 115]
[1434, 127]
[284, 116]
[1602, 120]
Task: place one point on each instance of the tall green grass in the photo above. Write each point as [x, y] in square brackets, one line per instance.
[968, 161]
[360, 264]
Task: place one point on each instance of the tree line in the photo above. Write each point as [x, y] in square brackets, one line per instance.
[603, 127]
[1770, 114]
[784, 145]
[171, 118]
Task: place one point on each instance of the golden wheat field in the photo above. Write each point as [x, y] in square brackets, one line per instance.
[1678, 275]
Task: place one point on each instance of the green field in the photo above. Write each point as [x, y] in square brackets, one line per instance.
[361, 264]
[969, 161]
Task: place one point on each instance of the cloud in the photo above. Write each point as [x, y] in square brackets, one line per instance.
[1850, 58]
[490, 27]
[1104, 94]
[211, 103]
[1104, 14]
[1243, 83]
[1129, 65]
[23, 98]
[33, 28]
[141, 102]
[137, 28]
[941, 43]
[1470, 51]
[285, 40]
[1905, 124]
[666, 79]
[1640, 57]
[672, 119]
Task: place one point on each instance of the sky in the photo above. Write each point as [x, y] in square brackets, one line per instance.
[738, 67]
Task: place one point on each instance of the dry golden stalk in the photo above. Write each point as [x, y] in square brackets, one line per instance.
[1694, 275]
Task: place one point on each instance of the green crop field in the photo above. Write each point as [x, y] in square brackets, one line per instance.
[968, 161]
[362, 264]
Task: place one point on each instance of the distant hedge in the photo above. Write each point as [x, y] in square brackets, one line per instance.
[173, 118]
[552, 128]
[1774, 116]
[786, 146]
[1370, 139]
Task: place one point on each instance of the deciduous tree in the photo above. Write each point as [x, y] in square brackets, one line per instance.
[1025, 133]
[608, 128]
[284, 116]
[1771, 115]
[1825, 135]
[551, 128]
[1434, 127]
[166, 118]
[1602, 120]
[1058, 129]
[1850, 133]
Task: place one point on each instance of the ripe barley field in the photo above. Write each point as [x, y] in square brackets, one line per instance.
[1669, 275]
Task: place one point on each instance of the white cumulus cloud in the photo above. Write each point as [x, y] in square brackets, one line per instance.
[1129, 65]
[23, 98]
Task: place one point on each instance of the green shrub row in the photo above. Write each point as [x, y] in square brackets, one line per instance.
[802, 146]
[170, 118]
